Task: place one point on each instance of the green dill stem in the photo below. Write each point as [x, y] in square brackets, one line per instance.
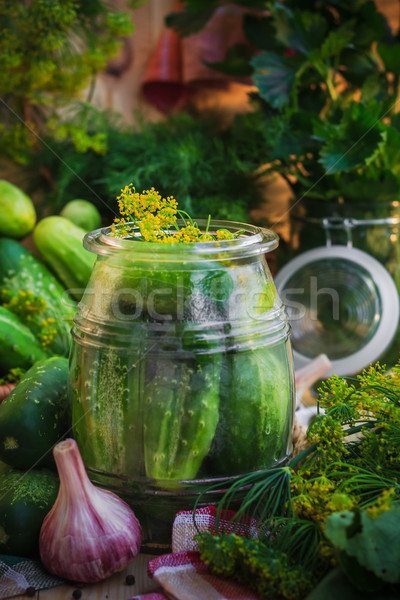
[208, 224]
[183, 212]
[356, 429]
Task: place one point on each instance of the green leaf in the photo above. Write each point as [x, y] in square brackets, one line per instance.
[395, 121]
[287, 136]
[335, 42]
[359, 576]
[356, 66]
[360, 188]
[354, 142]
[390, 56]
[336, 586]
[376, 546]
[372, 26]
[299, 30]
[259, 31]
[374, 87]
[390, 150]
[236, 62]
[274, 77]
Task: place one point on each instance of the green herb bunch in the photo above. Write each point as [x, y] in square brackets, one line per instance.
[336, 504]
[211, 170]
[327, 75]
[50, 50]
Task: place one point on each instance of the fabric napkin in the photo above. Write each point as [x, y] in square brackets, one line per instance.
[182, 574]
[19, 574]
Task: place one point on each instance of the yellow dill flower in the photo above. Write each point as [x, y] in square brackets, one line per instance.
[383, 503]
[224, 234]
[156, 219]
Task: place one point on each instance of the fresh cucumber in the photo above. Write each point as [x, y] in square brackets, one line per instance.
[24, 281]
[18, 346]
[17, 213]
[83, 214]
[35, 416]
[59, 242]
[25, 500]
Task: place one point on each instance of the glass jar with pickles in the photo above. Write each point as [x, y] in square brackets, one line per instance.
[181, 370]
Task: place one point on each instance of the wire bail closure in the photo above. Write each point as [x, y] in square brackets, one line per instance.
[347, 224]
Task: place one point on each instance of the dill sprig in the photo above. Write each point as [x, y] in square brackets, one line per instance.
[156, 219]
[352, 463]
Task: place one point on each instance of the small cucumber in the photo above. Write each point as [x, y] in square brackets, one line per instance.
[83, 214]
[35, 416]
[60, 243]
[18, 346]
[17, 213]
[25, 500]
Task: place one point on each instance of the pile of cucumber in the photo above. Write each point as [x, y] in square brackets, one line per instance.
[36, 312]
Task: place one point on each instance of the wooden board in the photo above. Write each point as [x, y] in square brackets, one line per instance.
[113, 588]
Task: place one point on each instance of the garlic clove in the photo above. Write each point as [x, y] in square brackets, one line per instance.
[90, 533]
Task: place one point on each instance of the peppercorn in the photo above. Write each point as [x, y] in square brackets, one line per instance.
[130, 580]
[76, 594]
[30, 591]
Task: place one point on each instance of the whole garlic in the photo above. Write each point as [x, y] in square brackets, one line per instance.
[90, 533]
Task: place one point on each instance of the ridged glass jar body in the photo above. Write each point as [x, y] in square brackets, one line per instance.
[181, 370]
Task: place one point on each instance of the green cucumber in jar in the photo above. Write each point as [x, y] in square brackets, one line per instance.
[106, 391]
[122, 288]
[256, 411]
[180, 416]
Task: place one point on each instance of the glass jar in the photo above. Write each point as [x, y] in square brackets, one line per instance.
[373, 228]
[181, 369]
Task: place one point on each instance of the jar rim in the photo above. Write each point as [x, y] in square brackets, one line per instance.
[253, 240]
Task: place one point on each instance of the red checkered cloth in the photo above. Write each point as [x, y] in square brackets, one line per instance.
[182, 575]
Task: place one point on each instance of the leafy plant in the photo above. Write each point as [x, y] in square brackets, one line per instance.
[327, 74]
[335, 502]
[50, 50]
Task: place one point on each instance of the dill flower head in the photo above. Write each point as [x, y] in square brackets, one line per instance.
[156, 217]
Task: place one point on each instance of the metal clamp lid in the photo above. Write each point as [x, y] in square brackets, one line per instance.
[368, 306]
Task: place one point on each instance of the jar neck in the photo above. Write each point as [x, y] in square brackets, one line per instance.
[250, 242]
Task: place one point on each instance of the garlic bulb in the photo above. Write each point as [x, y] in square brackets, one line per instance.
[90, 533]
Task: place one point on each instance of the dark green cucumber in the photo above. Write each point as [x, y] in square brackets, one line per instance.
[18, 346]
[21, 273]
[180, 416]
[256, 411]
[25, 500]
[36, 415]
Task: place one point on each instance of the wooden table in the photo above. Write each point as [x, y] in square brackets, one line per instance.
[113, 588]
